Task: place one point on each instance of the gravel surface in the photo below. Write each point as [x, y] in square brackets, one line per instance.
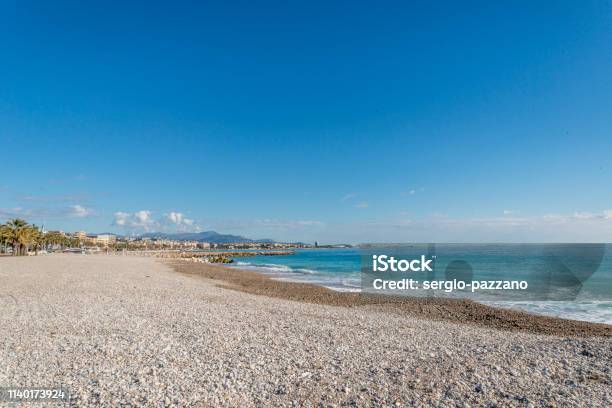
[129, 331]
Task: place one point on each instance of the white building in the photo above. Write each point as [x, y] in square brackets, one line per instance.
[106, 239]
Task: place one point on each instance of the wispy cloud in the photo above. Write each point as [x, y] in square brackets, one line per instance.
[579, 226]
[78, 177]
[54, 198]
[15, 212]
[583, 215]
[362, 204]
[580, 215]
[267, 224]
[70, 211]
[412, 191]
[348, 196]
[291, 224]
[78, 211]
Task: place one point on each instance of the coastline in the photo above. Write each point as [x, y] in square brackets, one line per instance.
[452, 310]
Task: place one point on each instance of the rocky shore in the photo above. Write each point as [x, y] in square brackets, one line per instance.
[130, 331]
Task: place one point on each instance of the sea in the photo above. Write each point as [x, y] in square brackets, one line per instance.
[340, 269]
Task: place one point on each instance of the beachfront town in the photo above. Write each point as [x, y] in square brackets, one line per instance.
[18, 237]
[112, 241]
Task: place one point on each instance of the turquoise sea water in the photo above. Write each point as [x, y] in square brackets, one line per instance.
[340, 269]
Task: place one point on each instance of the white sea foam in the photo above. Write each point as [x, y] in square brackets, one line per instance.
[591, 311]
[304, 275]
[275, 268]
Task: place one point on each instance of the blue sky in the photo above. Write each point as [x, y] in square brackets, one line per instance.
[393, 121]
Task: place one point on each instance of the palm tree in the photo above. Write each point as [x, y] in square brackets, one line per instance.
[20, 236]
[54, 238]
[35, 239]
[11, 231]
[4, 238]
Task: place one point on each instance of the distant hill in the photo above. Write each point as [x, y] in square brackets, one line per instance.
[205, 236]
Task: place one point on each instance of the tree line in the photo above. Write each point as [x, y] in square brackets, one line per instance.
[22, 237]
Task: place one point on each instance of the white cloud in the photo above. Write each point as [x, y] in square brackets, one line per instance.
[143, 216]
[175, 217]
[121, 218]
[509, 212]
[362, 205]
[144, 220]
[79, 211]
[140, 220]
[349, 196]
[179, 220]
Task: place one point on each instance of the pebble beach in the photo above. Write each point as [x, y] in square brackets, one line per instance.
[135, 331]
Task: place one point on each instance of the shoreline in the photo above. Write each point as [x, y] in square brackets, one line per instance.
[449, 310]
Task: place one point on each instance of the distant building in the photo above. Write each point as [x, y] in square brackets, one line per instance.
[88, 240]
[189, 244]
[316, 244]
[80, 234]
[106, 239]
